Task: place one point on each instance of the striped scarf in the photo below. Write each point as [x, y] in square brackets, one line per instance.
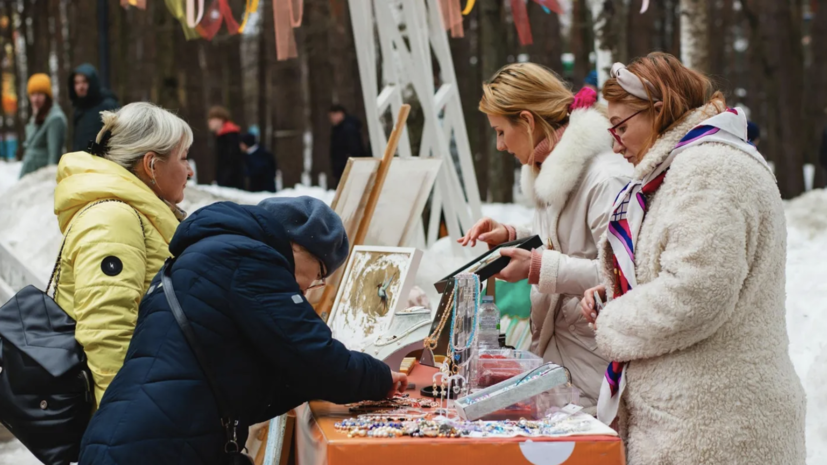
[628, 212]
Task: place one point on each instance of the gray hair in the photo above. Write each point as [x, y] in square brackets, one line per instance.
[142, 127]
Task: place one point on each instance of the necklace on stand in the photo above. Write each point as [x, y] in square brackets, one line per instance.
[458, 324]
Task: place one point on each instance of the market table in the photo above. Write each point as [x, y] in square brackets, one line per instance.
[319, 443]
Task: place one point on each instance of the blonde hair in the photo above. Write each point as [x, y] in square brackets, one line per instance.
[528, 87]
[142, 127]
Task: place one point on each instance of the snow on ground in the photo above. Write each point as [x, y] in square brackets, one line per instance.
[28, 224]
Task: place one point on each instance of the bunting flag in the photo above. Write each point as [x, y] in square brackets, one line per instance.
[519, 12]
[139, 4]
[218, 13]
[452, 17]
[193, 18]
[468, 7]
[252, 7]
[287, 15]
[178, 11]
[644, 6]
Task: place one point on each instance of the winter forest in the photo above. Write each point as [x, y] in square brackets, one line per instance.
[768, 56]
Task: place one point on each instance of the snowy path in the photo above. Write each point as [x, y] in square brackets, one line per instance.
[28, 214]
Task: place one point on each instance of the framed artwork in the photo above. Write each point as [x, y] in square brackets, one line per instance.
[375, 285]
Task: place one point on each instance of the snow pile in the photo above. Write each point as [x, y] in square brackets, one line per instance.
[807, 310]
[9, 172]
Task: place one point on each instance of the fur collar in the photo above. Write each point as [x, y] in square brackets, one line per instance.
[668, 140]
[585, 137]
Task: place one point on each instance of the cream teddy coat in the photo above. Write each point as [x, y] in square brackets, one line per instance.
[709, 380]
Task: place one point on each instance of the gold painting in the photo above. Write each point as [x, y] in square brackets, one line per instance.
[376, 283]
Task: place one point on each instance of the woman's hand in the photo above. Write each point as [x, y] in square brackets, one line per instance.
[587, 305]
[400, 384]
[486, 230]
[517, 269]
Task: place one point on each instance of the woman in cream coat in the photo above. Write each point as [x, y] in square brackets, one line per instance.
[695, 260]
[572, 176]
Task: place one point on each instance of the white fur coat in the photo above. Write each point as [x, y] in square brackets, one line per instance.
[573, 192]
[709, 380]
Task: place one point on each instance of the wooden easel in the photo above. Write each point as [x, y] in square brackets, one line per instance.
[326, 303]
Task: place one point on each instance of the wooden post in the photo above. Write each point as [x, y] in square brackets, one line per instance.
[326, 303]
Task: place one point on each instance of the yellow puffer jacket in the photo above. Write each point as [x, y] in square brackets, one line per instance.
[108, 261]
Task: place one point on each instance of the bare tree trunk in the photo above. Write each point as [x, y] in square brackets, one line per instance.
[321, 82]
[288, 116]
[18, 121]
[83, 31]
[165, 83]
[347, 87]
[695, 34]
[643, 33]
[547, 48]
[194, 105]
[776, 30]
[465, 54]
[602, 13]
[492, 32]
[264, 33]
[38, 62]
[62, 65]
[582, 41]
[817, 91]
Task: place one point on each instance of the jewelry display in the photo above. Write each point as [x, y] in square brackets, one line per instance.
[556, 425]
[398, 402]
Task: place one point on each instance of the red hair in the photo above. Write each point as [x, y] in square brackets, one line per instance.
[678, 87]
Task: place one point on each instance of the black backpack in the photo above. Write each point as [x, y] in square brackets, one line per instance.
[46, 396]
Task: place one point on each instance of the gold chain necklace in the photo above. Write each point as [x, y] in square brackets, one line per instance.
[432, 340]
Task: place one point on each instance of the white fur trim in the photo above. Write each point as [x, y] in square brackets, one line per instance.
[585, 137]
[548, 272]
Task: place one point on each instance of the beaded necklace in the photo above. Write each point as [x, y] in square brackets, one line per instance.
[470, 342]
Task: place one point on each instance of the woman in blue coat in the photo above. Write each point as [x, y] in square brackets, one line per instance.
[240, 275]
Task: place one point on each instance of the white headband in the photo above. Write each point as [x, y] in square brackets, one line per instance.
[631, 83]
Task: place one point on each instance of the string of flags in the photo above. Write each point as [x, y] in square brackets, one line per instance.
[199, 21]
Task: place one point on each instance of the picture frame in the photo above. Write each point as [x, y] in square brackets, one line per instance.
[375, 285]
[490, 263]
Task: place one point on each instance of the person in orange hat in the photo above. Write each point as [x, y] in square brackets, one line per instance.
[46, 131]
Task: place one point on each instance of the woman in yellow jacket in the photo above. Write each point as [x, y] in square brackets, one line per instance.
[116, 208]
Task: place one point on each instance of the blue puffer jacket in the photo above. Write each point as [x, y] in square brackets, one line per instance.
[269, 349]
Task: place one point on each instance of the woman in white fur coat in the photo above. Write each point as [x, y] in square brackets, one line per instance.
[572, 175]
[694, 260]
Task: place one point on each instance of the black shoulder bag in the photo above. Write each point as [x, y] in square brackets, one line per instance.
[232, 451]
[46, 396]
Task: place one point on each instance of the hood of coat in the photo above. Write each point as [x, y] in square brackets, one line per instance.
[669, 139]
[586, 136]
[225, 218]
[94, 95]
[83, 179]
[227, 128]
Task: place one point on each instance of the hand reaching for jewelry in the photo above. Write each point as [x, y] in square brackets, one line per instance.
[485, 230]
[400, 384]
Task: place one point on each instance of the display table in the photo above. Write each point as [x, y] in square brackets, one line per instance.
[319, 443]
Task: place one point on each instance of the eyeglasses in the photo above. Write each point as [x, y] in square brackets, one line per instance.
[320, 282]
[613, 129]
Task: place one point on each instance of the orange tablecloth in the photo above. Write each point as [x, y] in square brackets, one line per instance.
[320, 444]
